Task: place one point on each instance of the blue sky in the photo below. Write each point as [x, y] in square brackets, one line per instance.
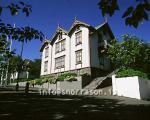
[46, 14]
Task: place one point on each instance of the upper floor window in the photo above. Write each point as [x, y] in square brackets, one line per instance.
[45, 66]
[46, 51]
[60, 36]
[77, 28]
[57, 47]
[60, 62]
[78, 37]
[79, 57]
[60, 46]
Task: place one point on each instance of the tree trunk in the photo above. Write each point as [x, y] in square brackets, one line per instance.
[20, 63]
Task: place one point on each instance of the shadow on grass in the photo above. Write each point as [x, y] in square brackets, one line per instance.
[35, 107]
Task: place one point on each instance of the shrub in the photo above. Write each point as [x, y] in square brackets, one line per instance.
[21, 80]
[51, 79]
[66, 76]
[131, 72]
[38, 81]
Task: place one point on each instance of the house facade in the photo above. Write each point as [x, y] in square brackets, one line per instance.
[81, 50]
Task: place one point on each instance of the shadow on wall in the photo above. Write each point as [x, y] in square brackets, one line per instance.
[86, 79]
[105, 83]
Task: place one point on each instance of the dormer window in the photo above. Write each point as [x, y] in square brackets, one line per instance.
[62, 45]
[77, 28]
[60, 36]
[78, 36]
[57, 47]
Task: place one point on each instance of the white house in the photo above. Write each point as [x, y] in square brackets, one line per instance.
[80, 50]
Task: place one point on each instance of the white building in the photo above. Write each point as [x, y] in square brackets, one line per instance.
[80, 50]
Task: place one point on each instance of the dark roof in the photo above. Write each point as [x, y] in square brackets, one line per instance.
[103, 26]
[79, 23]
[46, 42]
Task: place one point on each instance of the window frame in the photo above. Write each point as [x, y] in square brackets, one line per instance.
[57, 47]
[60, 62]
[45, 66]
[46, 51]
[78, 37]
[78, 56]
[64, 44]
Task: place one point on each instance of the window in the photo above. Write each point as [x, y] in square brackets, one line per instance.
[62, 45]
[45, 66]
[79, 57]
[77, 28]
[78, 37]
[57, 47]
[60, 36]
[46, 51]
[60, 62]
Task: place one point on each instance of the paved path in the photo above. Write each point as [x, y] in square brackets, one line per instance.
[18, 106]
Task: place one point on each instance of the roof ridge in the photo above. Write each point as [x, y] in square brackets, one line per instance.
[99, 26]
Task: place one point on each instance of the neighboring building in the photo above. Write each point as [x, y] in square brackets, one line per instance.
[80, 50]
[23, 73]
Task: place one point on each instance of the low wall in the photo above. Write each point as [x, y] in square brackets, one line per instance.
[66, 85]
[133, 87]
[22, 84]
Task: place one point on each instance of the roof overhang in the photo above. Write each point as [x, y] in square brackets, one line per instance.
[46, 42]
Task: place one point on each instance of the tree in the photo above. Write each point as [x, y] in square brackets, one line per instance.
[23, 34]
[133, 15]
[5, 54]
[130, 53]
[13, 64]
[35, 68]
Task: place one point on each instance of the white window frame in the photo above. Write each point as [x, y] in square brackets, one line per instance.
[78, 56]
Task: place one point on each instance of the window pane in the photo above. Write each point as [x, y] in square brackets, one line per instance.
[46, 51]
[45, 66]
[79, 57]
[78, 37]
[60, 62]
[56, 47]
[62, 45]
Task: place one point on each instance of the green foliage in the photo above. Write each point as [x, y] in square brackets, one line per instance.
[23, 34]
[131, 72]
[49, 78]
[38, 81]
[133, 15]
[34, 68]
[66, 76]
[14, 8]
[14, 62]
[44, 79]
[131, 52]
[21, 80]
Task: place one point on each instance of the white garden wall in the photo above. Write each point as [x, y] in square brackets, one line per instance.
[133, 87]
